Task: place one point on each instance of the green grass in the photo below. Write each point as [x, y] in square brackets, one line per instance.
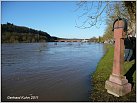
[102, 73]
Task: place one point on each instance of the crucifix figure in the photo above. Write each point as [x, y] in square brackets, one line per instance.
[118, 84]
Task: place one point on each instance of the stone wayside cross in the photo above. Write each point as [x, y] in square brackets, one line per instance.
[118, 84]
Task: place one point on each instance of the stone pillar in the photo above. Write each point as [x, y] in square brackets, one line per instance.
[118, 84]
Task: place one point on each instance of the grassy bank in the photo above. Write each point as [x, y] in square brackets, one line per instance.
[102, 73]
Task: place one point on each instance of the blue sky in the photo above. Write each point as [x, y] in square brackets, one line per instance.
[56, 18]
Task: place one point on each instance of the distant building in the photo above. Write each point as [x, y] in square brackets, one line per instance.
[84, 40]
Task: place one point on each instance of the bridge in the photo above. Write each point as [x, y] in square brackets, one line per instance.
[72, 40]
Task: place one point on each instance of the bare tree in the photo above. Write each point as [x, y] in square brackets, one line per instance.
[92, 13]
[131, 8]
[95, 12]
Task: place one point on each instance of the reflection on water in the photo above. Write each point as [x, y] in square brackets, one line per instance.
[53, 72]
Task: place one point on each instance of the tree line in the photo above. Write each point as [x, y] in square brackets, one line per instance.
[14, 34]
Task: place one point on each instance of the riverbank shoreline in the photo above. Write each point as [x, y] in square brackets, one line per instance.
[102, 73]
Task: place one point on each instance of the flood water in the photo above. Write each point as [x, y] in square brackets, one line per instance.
[47, 71]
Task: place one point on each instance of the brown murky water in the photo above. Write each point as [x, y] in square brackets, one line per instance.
[48, 72]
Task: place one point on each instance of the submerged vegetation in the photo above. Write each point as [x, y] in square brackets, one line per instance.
[102, 73]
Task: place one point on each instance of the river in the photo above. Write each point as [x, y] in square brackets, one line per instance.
[48, 71]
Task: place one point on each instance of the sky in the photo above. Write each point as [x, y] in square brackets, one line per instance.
[58, 18]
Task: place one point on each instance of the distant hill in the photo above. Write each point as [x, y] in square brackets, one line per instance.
[11, 33]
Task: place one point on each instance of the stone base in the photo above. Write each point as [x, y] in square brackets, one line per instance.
[117, 86]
